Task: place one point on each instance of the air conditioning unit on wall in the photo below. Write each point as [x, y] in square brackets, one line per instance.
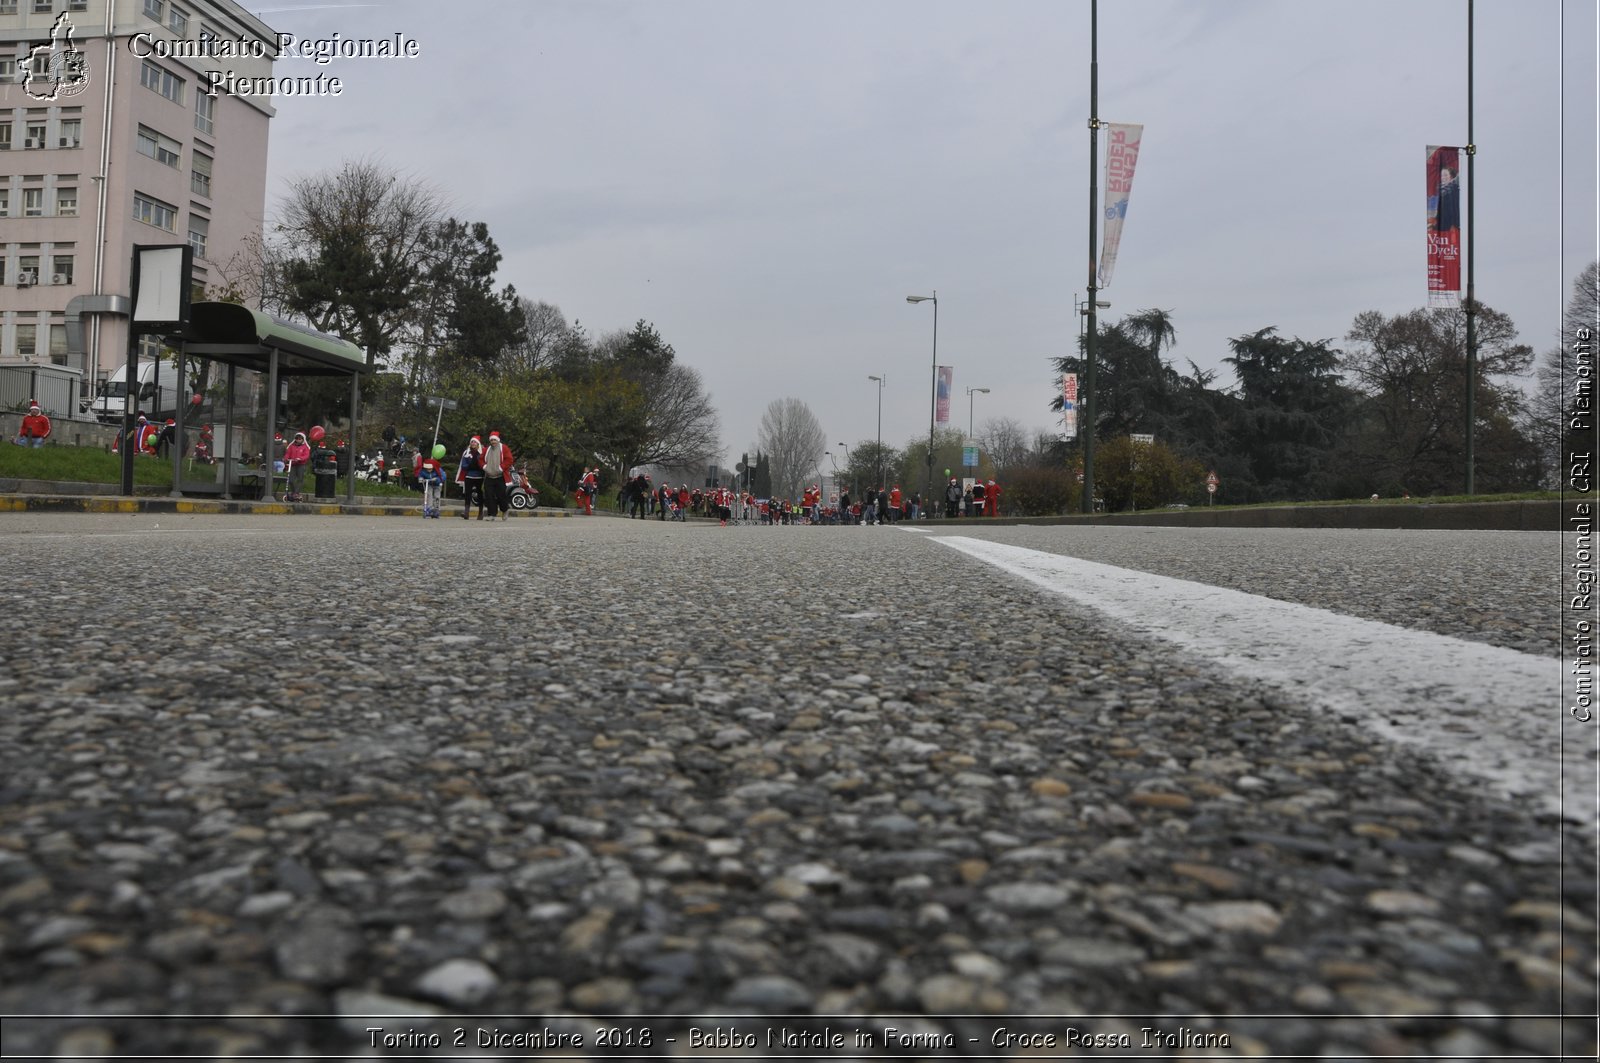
[60, 278]
[27, 278]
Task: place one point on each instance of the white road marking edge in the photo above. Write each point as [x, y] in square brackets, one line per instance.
[1483, 710]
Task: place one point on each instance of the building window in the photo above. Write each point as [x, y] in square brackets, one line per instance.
[58, 343]
[27, 341]
[154, 212]
[28, 268]
[35, 135]
[156, 79]
[61, 269]
[77, 5]
[205, 109]
[161, 148]
[5, 136]
[71, 133]
[33, 202]
[200, 176]
[67, 202]
[199, 229]
[152, 9]
[43, 7]
[178, 21]
[5, 208]
[8, 7]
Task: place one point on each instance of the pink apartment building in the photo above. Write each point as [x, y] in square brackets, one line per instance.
[108, 138]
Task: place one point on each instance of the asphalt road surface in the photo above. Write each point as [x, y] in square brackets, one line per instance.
[381, 788]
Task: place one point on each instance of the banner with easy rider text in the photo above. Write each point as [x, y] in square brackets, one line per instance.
[1444, 226]
[1069, 404]
[1122, 152]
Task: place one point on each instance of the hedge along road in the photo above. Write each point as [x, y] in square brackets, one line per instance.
[356, 768]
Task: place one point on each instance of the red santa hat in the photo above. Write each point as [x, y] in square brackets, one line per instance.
[33, 407]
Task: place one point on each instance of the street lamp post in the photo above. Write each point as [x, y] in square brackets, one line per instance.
[971, 392]
[878, 455]
[933, 397]
[854, 487]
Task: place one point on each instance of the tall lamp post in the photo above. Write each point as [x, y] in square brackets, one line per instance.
[971, 392]
[1090, 398]
[878, 455]
[854, 488]
[933, 388]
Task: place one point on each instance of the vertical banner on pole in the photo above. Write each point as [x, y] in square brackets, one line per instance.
[942, 406]
[1069, 403]
[1122, 152]
[1444, 226]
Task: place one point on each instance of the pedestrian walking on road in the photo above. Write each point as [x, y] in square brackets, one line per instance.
[469, 474]
[497, 477]
[35, 428]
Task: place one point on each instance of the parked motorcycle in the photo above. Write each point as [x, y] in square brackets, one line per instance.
[523, 494]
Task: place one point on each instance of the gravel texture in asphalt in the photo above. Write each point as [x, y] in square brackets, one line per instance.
[295, 773]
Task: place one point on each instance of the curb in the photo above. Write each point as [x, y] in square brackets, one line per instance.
[64, 503]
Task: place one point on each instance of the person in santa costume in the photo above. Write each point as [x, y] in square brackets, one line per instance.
[497, 476]
[588, 487]
[35, 428]
[994, 499]
[469, 474]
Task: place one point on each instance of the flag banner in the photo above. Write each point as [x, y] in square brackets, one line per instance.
[1122, 151]
[1069, 387]
[1069, 415]
[1444, 226]
[942, 406]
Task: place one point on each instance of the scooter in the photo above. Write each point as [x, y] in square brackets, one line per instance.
[523, 494]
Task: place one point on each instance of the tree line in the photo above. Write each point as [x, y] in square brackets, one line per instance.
[368, 254]
[1301, 420]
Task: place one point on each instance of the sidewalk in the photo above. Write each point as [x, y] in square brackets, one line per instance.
[43, 496]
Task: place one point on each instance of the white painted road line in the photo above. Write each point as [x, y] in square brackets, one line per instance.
[1484, 711]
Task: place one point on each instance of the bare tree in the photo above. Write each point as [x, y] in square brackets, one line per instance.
[349, 252]
[545, 327]
[681, 426]
[1005, 442]
[793, 441]
[1551, 408]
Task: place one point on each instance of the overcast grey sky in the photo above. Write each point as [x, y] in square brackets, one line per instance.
[767, 182]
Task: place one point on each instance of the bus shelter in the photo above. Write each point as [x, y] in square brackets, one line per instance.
[237, 337]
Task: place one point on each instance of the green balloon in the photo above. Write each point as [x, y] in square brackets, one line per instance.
[947, 472]
[438, 451]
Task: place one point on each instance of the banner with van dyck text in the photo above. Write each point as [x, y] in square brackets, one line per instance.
[1444, 226]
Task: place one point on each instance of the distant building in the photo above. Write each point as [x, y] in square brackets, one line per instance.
[108, 138]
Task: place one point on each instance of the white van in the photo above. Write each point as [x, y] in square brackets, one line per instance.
[108, 406]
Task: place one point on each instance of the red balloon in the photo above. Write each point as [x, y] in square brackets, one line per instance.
[317, 432]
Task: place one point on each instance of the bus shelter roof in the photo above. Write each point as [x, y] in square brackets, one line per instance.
[239, 336]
